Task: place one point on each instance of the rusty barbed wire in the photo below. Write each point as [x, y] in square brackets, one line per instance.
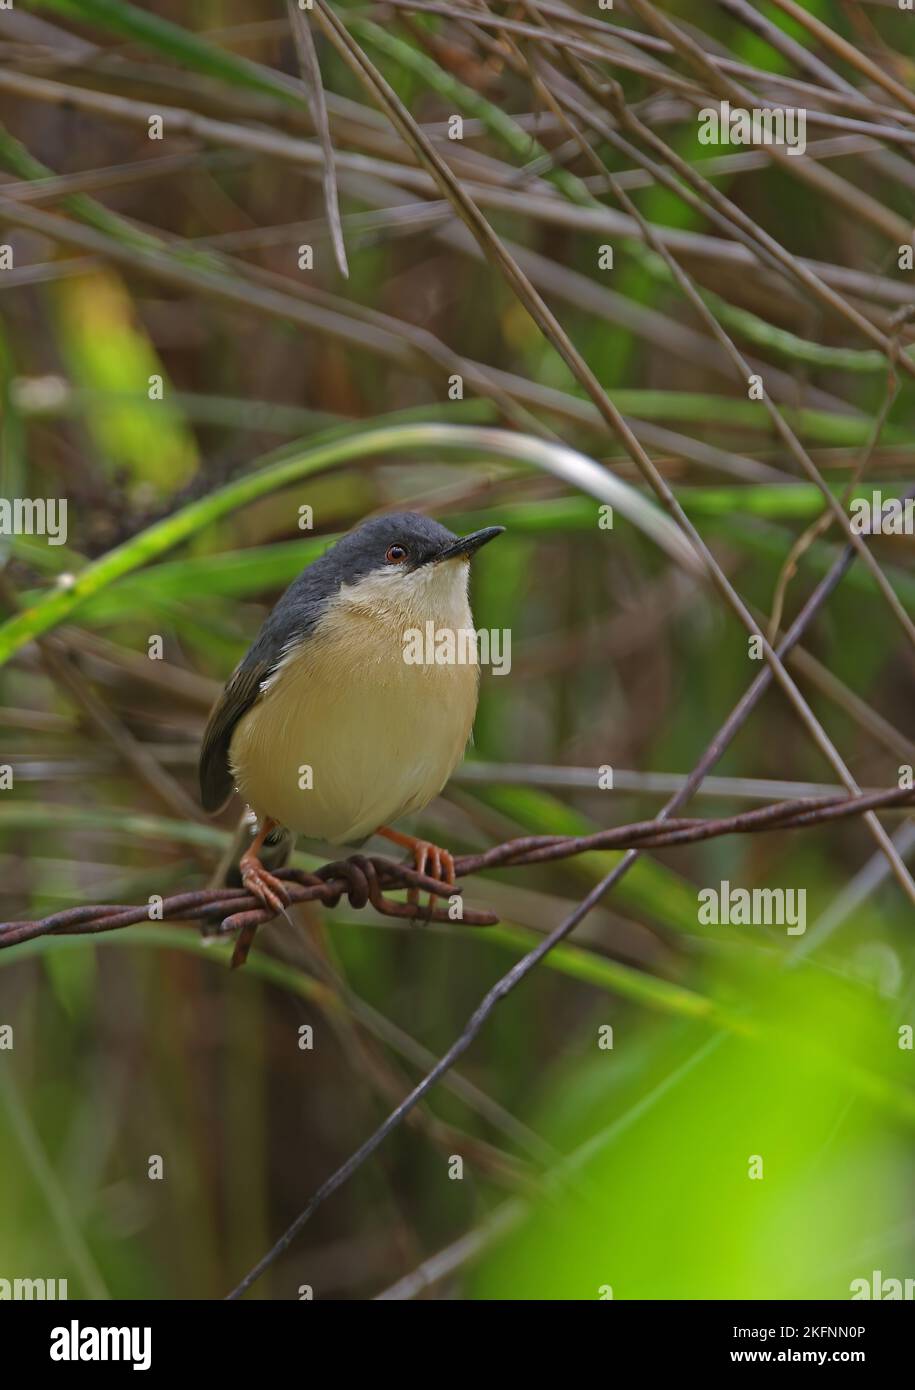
[365, 879]
[361, 879]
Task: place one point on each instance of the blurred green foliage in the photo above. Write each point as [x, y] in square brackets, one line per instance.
[628, 1168]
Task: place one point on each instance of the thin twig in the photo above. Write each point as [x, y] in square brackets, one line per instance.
[314, 90]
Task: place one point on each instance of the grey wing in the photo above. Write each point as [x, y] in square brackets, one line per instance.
[216, 782]
[292, 618]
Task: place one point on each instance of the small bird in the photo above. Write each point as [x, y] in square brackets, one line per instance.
[325, 728]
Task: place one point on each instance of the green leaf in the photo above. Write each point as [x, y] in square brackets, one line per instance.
[173, 41]
[334, 447]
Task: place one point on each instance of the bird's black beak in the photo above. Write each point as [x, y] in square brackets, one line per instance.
[465, 546]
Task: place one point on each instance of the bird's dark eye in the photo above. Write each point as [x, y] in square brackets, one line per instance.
[396, 554]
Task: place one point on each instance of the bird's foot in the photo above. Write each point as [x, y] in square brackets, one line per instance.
[263, 885]
[432, 860]
[428, 858]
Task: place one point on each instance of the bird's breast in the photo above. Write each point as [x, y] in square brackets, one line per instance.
[348, 733]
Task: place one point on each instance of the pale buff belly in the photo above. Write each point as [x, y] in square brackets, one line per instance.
[380, 737]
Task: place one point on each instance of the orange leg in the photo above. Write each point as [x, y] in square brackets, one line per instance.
[427, 859]
[259, 881]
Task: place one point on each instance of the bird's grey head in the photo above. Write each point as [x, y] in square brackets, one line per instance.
[405, 568]
[400, 541]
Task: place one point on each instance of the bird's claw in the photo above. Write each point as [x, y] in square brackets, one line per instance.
[263, 885]
[436, 862]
